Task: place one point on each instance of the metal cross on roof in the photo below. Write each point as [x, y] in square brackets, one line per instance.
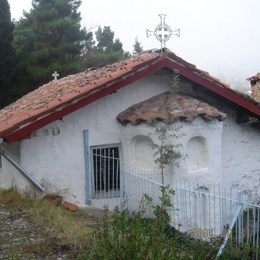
[163, 32]
[55, 75]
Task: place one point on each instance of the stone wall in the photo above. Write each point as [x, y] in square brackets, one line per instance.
[256, 91]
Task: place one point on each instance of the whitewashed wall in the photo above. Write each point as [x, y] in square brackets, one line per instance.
[241, 157]
[10, 177]
[206, 172]
[230, 153]
[57, 161]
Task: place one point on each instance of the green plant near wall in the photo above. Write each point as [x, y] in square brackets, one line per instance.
[137, 235]
[145, 234]
[175, 83]
[165, 151]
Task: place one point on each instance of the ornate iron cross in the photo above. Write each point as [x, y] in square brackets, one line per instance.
[163, 32]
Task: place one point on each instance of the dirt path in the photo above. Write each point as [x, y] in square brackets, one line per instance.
[21, 239]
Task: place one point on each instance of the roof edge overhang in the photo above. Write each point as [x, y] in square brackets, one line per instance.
[135, 74]
[213, 86]
[51, 116]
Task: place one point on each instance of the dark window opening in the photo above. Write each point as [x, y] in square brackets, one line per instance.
[106, 171]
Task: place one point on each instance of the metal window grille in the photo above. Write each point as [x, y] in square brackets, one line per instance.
[105, 172]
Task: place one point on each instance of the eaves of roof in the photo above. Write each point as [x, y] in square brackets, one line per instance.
[169, 107]
[59, 98]
[203, 79]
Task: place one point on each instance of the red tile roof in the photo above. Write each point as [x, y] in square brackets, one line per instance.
[254, 78]
[255, 86]
[60, 97]
[169, 107]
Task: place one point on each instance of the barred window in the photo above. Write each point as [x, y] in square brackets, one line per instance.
[105, 171]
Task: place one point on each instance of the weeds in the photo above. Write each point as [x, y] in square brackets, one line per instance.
[144, 234]
[72, 228]
[141, 236]
[11, 198]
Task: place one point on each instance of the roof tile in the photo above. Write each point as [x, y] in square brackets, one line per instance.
[255, 86]
[59, 94]
[168, 107]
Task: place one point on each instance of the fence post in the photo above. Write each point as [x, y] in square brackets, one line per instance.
[88, 187]
[236, 216]
[240, 220]
[122, 188]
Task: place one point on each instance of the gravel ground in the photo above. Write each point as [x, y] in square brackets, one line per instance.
[21, 239]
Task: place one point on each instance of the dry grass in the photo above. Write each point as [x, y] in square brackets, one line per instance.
[11, 198]
[73, 228]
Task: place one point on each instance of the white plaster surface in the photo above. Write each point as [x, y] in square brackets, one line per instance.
[241, 158]
[55, 154]
[9, 176]
[211, 132]
[197, 154]
[57, 161]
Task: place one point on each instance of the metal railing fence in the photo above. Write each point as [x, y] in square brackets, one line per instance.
[204, 212]
[208, 212]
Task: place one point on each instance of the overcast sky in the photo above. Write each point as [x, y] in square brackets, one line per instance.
[219, 36]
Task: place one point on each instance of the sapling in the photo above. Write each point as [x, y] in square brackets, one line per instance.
[165, 151]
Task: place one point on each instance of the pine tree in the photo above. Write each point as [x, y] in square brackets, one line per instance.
[106, 51]
[49, 38]
[7, 53]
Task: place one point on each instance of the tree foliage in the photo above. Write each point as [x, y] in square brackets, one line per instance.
[107, 50]
[49, 38]
[166, 151]
[138, 48]
[7, 52]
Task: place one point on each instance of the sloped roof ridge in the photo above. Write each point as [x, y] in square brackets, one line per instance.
[60, 97]
[168, 53]
[88, 75]
[76, 80]
[59, 93]
[208, 76]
